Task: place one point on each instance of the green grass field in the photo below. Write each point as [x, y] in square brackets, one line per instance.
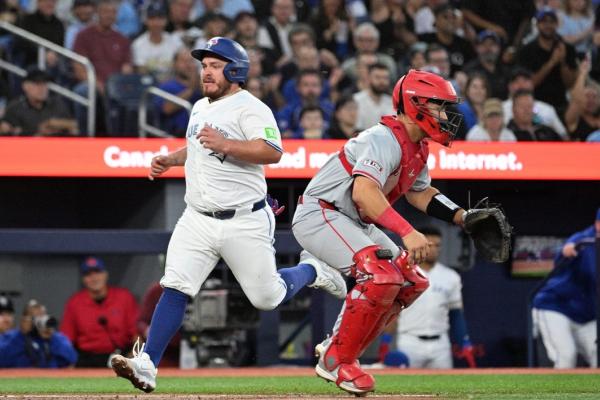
[490, 387]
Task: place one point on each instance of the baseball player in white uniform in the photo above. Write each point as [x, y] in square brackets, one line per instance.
[229, 136]
[422, 329]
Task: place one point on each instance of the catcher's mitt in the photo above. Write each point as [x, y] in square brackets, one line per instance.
[489, 230]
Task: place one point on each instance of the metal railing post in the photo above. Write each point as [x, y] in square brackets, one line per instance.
[143, 124]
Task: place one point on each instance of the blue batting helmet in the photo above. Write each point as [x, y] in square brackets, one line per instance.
[236, 70]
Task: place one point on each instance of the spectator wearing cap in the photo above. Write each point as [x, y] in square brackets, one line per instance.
[273, 33]
[44, 23]
[489, 64]
[491, 128]
[564, 308]
[153, 51]
[551, 61]
[36, 343]
[83, 16]
[100, 320]
[185, 84]
[374, 101]
[366, 41]
[459, 50]
[7, 315]
[544, 113]
[523, 123]
[36, 113]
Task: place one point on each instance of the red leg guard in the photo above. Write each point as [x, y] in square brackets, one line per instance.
[380, 326]
[367, 305]
[415, 281]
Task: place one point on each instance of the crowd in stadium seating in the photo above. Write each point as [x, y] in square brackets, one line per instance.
[326, 68]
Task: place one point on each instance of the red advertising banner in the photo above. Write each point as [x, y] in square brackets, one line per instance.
[113, 157]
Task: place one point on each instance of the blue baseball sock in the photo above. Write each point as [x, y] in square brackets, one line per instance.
[296, 278]
[166, 320]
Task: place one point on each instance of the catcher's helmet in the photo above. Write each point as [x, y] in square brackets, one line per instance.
[414, 90]
[236, 70]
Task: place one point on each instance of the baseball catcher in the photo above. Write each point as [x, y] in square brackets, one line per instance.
[355, 189]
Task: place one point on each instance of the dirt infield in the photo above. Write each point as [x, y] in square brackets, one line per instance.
[279, 371]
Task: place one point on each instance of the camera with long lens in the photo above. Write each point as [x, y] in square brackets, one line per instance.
[43, 322]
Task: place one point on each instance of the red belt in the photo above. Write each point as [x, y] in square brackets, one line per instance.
[322, 203]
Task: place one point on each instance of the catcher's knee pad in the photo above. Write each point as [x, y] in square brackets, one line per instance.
[377, 287]
[415, 281]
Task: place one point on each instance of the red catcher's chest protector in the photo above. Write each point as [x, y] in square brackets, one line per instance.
[414, 157]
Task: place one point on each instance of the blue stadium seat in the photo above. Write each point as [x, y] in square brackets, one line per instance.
[122, 98]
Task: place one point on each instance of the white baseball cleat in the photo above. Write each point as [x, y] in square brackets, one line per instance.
[348, 377]
[329, 279]
[139, 370]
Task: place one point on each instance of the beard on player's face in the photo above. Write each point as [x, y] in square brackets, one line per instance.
[215, 88]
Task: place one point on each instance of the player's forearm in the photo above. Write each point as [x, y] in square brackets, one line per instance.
[178, 158]
[440, 207]
[373, 204]
[420, 200]
[252, 151]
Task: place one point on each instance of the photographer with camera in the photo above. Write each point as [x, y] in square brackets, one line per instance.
[36, 343]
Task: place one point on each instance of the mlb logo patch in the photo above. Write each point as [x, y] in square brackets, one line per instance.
[373, 164]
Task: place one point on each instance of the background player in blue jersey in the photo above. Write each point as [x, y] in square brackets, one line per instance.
[565, 307]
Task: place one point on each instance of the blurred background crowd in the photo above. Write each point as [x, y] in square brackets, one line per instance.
[528, 70]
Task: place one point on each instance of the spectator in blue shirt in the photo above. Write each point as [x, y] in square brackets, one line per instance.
[186, 85]
[37, 343]
[309, 86]
[565, 307]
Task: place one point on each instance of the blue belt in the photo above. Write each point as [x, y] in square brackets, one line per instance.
[228, 214]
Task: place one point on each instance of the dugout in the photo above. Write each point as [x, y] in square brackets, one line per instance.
[49, 218]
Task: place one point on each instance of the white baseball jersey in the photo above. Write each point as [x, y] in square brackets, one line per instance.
[218, 182]
[428, 315]
[423, 327]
